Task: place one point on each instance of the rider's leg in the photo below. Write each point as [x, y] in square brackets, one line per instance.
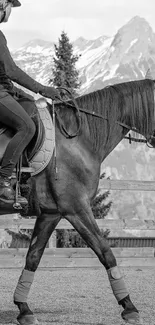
[14, 116]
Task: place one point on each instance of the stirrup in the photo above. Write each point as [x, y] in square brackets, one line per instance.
[17, 206]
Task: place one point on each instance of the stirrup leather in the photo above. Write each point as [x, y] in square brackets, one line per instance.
[17, 204]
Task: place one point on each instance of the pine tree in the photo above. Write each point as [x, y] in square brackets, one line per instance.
[64, 70]
[99, 207]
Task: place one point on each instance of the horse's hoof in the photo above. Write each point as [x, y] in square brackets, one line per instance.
[27, 320]
[132, 318]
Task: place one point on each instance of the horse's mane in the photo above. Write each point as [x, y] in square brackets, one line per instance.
[129, 102]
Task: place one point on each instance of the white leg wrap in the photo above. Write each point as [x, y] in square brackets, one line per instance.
[23, 286]
[117, 283]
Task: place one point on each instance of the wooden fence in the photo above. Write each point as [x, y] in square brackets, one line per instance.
[107, 184]
[84, 257]
[79, 257]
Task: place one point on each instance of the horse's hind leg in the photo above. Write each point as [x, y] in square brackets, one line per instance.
[83, 221]
[43, 229]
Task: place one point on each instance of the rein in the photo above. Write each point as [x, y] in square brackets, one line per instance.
[77, 112]
[79, 109]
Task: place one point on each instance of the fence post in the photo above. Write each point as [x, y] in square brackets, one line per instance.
[53, 240]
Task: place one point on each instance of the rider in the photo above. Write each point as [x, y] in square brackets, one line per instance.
[12, 114]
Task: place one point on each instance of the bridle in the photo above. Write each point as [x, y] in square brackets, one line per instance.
[131, 139]
[78, 111]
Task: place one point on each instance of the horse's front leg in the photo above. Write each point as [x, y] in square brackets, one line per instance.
[43, 229]
[83, 221]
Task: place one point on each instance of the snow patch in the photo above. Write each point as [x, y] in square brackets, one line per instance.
[89, 56]
[111, 73]
[140, 56]
[112, 49]
[131, 44]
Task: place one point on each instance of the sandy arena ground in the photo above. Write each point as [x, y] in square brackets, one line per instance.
[78, 296]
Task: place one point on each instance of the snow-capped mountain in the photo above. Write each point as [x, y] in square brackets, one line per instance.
[36, 59]
[124, 57]
[103, 61]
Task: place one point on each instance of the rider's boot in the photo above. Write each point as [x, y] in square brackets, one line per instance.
[7, 193]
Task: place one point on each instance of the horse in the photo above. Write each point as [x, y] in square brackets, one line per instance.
[67, 186]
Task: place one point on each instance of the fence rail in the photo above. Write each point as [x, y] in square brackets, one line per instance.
[78, 257]
[132, 185]
[126, 233]
[82, 257]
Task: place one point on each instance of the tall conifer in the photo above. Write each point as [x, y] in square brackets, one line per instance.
[64, 70]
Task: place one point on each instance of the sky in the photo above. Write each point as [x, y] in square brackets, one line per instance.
[46, 19]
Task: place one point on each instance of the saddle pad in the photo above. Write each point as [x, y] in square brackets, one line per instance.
[43, 156]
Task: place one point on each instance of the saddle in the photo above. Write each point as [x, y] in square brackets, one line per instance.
[39, 151]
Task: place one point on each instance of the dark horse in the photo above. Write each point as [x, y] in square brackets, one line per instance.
[106, 117]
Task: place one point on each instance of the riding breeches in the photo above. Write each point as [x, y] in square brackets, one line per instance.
[13, 115]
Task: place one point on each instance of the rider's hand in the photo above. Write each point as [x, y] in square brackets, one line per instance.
[49, 92]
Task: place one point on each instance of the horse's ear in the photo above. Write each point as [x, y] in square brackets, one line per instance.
[148, 75]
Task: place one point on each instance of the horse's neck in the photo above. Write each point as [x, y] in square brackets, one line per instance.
[113, 139]
[108, 140]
